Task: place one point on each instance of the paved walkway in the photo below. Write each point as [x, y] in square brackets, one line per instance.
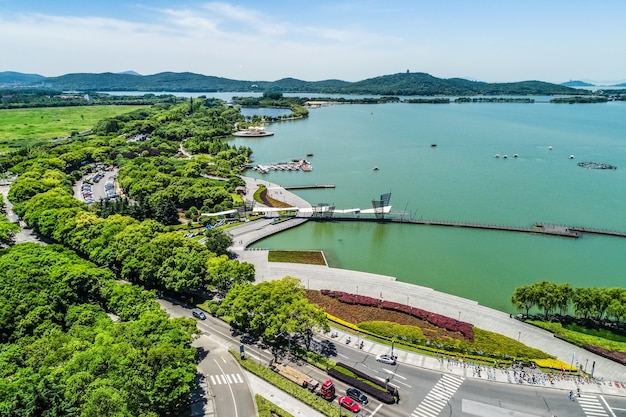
[388, 288]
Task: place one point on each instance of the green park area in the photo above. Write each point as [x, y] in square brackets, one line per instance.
[30, 126]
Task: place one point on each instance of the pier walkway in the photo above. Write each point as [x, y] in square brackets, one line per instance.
[306, 187]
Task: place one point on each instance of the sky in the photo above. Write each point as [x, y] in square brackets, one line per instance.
[350, 40]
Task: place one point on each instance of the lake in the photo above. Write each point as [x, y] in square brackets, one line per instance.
[461, 180]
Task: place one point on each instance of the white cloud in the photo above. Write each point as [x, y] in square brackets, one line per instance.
[331, 40]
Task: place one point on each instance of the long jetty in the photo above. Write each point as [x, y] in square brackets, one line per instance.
[538, 228]
[305, 187]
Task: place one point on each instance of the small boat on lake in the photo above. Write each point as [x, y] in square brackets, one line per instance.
[375, 169]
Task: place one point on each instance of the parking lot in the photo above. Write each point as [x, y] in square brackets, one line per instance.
[96, 186]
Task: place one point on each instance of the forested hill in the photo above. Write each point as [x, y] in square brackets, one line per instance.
[405, 84]
[422, 84]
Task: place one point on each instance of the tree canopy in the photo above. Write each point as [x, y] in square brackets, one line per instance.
[597, 303]
[274, 310]
[62, 355]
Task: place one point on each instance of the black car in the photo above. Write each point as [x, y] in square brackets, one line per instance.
[357, 395]
[198, 313]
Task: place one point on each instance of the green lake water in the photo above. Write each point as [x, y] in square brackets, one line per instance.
[461, 180]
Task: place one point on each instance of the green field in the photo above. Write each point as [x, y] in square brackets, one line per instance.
[26, 127]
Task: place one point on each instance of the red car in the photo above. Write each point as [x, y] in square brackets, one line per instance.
[348, 403]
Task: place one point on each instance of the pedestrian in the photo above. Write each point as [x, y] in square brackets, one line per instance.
[571, 396]
[578, 392]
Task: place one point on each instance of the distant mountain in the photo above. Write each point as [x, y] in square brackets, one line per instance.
[129, 73]
[422, 84]
[577, 83]
[402, 84]
[11, 78]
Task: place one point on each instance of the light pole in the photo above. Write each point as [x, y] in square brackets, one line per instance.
[519, 334]
[459, 316]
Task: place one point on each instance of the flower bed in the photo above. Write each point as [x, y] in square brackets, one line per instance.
[448, 323]
[619, 357]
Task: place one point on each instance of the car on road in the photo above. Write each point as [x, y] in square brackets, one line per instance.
[348, 403]
[198, 313]
[388, 359]
[357, 395]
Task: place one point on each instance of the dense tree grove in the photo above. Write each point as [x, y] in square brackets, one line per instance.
[62, 355]
[34, 97]
[138, 249]
[74, 341]
[596, 303]
[277, 311]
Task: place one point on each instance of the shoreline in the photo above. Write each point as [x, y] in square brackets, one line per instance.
[389, 288]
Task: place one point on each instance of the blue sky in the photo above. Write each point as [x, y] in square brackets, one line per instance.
[486, 40]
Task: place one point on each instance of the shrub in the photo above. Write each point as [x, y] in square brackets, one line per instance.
[380, 395]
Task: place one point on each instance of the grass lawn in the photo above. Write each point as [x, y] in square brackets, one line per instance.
[297, 256]
[26, 127]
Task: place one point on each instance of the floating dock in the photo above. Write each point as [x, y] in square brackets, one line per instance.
[546, 229]
[306, 187]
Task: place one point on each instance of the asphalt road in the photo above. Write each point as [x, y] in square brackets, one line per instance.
[221, 379]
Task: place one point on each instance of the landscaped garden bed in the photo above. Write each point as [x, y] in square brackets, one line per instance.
[394, 322]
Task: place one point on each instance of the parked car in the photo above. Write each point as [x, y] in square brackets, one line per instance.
[198, 313]
[388, 359]
[348, 403]
[357, 395]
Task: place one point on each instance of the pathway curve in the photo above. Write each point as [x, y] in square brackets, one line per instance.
[388, 288]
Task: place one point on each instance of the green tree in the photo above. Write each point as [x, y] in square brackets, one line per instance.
[547, 296]
[583, 302]
[275, 310]
[7, 231]
[224, 273]
[601, 301]
[217, 241]
[563, 298]
[524, 298]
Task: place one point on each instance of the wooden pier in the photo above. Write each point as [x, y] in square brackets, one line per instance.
[306, 187]
[538, 228]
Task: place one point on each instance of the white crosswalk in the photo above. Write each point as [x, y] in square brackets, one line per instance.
[592, 406]
[438, 397]
[220, 379]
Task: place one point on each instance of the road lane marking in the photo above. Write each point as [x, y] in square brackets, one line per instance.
[607, 406]
[438, 397]
[219, 379]
[232, 394]
[393, 373]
